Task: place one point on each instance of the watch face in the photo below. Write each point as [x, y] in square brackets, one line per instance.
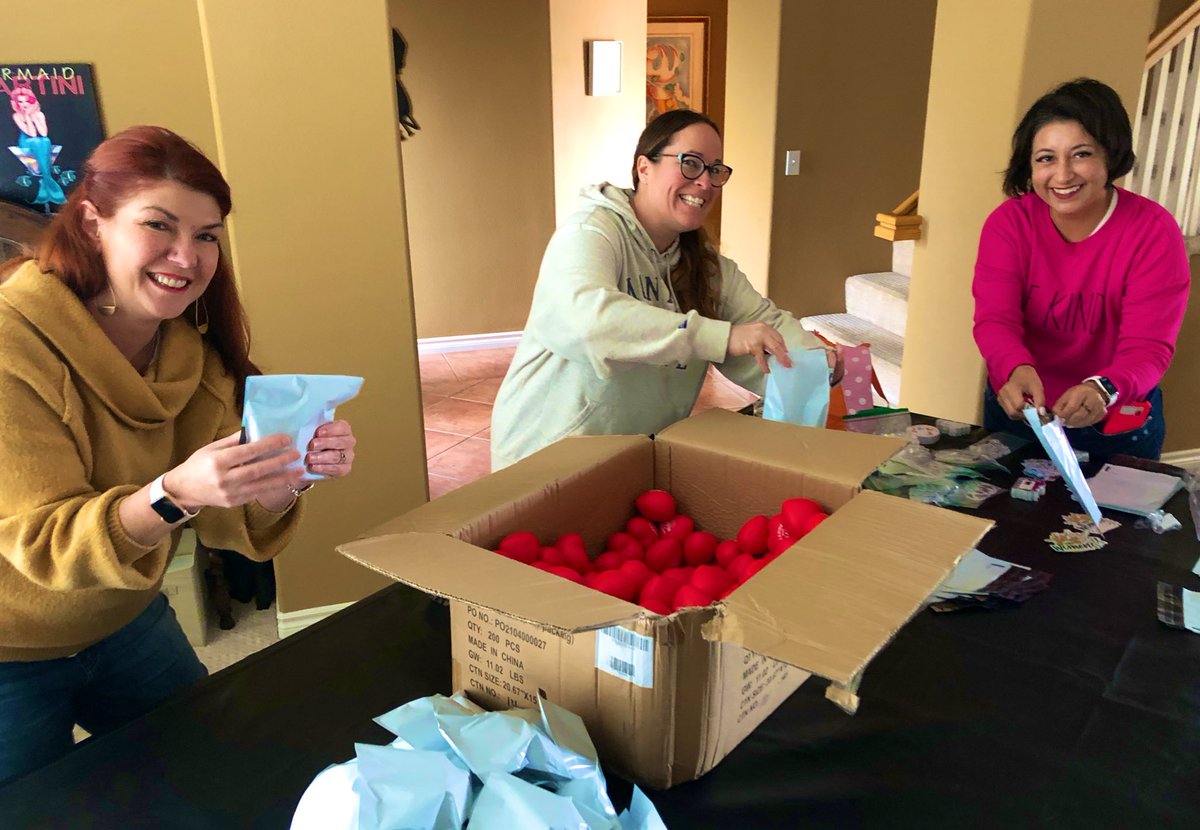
[169, 512]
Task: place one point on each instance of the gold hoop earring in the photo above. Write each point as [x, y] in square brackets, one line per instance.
[201, 327]
[108, 309]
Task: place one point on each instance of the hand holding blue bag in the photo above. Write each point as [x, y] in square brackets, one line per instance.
[800, 394]
[294, 405]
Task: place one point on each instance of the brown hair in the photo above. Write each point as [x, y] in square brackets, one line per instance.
[129, 161]
[694, 277]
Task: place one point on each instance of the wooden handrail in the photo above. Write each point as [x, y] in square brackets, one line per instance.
[909, 205]
[1172, 34]
[902, 222]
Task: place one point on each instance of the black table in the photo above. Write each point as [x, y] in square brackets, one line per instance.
[1077, 709]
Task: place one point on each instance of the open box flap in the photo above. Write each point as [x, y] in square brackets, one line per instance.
[836, 597]
[841, 459]
[450, 568]
[558, 487]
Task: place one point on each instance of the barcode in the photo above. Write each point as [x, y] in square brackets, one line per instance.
[620, 666]
[628, 638]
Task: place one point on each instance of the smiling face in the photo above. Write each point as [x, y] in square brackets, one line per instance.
[1070, 174]
[160, 249]
[666, 203]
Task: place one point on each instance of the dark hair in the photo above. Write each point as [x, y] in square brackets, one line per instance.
[693, 279]
[124, 164]
[1096, 107]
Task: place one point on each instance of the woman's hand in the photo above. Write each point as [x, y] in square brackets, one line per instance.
[837, 366]
[1080, 406]
[226, 473]
[331, 451]
[758, 339]
[1023, 386]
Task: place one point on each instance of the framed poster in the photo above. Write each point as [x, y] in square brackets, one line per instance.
[51, 124]
[676, 64]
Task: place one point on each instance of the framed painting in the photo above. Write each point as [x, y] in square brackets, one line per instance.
[52, 124]
[676, 64]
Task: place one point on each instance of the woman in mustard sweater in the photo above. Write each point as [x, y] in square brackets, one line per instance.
[123, 355]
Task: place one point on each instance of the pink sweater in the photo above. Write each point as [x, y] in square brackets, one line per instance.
[1108, 305]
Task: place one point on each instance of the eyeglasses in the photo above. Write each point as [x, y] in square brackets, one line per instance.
[691, 166]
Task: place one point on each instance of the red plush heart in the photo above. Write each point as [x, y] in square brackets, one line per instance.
[660, 589]
[608, 561]
[678, 528]
[752, 538]
[615, 584]
[657, 606]
[643, 530]
[795, 511]
[522, 546]
[699, 547]
[811, 522]
[656, 505]
[663, 554]
[565, 573]
[727, 551]
[712, 579]
[690, 595]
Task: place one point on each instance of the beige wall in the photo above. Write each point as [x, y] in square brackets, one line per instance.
[320, 242]
[852, 85]
[479, 173]
[162, 81]
[976, 97]
[751, 102]
[594, 136]
[1181, 386]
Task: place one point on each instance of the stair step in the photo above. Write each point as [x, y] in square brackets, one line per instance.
[887, 349]
[880, 298]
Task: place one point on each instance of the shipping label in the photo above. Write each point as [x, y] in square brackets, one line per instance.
[626, 654]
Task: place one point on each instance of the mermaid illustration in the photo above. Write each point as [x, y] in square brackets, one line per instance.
[34, 148]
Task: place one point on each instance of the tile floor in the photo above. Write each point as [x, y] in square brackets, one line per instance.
[458, 390]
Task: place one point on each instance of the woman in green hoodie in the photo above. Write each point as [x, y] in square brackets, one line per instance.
[123, 355]
[632, 305]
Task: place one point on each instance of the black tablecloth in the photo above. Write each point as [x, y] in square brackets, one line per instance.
[1077, 709]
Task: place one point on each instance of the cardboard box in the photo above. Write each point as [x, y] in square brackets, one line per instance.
[183, 584]
[666, 698]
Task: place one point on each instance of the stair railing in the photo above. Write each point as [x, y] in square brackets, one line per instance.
[1167, 123]
[901, 222]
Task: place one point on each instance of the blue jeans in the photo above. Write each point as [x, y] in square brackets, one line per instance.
[102, 687]
[1144, 442]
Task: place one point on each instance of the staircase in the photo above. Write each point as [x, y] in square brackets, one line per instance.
[1167, 124]
[877, 304]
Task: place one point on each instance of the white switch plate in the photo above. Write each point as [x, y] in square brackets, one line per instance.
[791, 163]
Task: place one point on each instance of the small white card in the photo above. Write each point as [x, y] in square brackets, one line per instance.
[1191, 610]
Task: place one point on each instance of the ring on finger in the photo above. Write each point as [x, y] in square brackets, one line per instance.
[341, 456]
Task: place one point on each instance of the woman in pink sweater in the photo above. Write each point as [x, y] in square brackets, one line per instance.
[1080, 287]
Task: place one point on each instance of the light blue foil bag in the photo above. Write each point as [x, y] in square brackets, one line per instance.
[294, 405]
[799, 395]
[453, 765]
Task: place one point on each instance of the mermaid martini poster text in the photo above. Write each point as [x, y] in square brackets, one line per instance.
[50, 124]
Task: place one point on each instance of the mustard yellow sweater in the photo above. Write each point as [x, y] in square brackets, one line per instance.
[80, 429]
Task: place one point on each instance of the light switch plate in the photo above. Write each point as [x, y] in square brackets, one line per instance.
[791, 163]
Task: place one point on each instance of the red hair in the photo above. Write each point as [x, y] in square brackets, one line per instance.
[131, 160]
